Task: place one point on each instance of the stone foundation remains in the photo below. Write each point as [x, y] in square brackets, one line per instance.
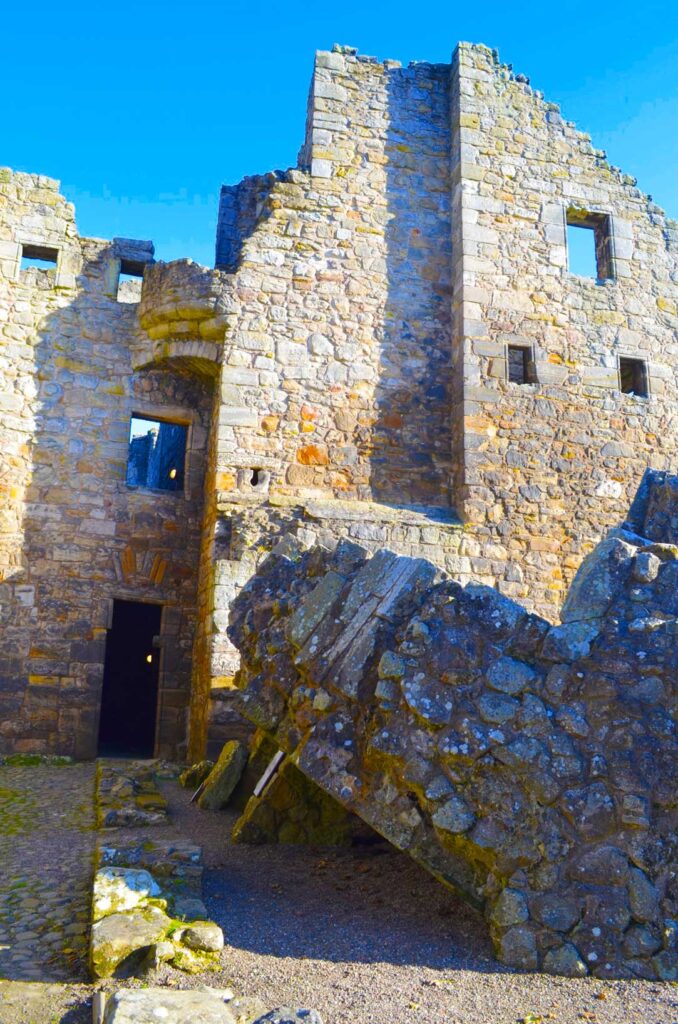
[529, 766]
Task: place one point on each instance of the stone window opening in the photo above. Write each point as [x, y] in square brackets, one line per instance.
[156, 456]
[130, 279]
[40, 256]
[589, 244]
[519, 364]
[633, 378]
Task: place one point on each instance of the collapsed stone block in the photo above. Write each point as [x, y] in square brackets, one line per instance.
[148, 1006]
[224, 777]
[196, 774]
[531, 767]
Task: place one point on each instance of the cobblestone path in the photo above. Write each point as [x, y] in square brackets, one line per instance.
[46, 856]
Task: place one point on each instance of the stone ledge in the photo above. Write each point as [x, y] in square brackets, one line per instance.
[352, 511]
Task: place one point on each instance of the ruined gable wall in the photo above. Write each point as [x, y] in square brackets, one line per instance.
[73, 534]
[549, 466]
[336, 372]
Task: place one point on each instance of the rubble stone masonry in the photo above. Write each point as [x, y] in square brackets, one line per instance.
[343, 372]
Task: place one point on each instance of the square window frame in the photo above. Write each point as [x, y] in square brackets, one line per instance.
[644, 364]
[132, 268]
[528, 362]
[600, 222]
[175, 417]
[38, 249]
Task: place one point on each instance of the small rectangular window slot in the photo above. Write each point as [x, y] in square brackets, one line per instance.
[157, 454]
[129, 280]
[518, 361]
[633, 377]
[589, 244]
[39, 256]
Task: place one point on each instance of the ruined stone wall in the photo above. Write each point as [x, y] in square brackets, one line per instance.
[372, 305]
[74, 535]
[529, 766]
[549, 465]
[335, 382]
[350, 354]
[336, 375]
[244, 535]
[240, 208]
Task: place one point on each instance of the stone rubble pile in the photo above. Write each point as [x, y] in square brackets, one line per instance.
[288, 808]
[147, 910]
[127, 794]
[527, 765]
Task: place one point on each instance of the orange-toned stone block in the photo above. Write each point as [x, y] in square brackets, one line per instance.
[313, 455]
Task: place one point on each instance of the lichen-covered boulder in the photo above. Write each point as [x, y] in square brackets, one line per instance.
[120, 937]
[203, 935]
[224, 777]
[531, 766]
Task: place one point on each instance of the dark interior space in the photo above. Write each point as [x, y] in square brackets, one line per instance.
[130, 691]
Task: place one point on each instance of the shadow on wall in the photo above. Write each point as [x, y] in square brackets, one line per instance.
[411, 440]
[86, 537]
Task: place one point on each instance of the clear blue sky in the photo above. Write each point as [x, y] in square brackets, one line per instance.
[143, 109]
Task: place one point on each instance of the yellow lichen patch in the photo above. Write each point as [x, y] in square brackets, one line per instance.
[225, 481]
[223, 683]
[268, 424]
[608, 316]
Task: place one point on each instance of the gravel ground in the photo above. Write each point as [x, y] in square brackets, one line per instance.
[367, 937]
[362, 934]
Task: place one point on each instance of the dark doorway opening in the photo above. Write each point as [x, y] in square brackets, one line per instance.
[129, 697]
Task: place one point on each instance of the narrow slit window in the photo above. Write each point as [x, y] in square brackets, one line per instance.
[518, 360]
[129, 280]
[589, 245]
[633, 377]
[39, 256]
[157, 454]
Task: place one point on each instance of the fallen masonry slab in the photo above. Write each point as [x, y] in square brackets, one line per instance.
[224, 777]
[529, 766]
[195, 1006]
[151, 1005]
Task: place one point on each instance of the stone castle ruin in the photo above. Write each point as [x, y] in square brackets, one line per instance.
[392, 349]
